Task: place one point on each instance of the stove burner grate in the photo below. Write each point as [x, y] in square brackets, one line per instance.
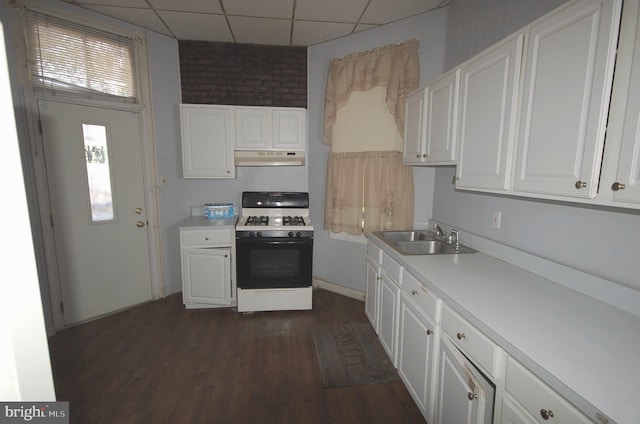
[257, 220]
[293, 220]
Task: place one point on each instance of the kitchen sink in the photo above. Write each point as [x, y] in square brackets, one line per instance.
[420, 243]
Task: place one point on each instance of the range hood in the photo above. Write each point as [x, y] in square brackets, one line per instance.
[268, 158]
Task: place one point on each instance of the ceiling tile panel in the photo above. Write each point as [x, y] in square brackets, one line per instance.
[197, 26]
[306, 33]
[259, 8]
[385, 11]
[202, 6]
[260, 30]
[142, 17]
[121, 3]
[330, 10]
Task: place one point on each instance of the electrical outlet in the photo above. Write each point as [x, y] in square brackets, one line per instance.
[495, 222]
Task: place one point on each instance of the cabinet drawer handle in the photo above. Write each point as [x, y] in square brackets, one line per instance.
[460, 336]
[429, 332]
[581, 184]
[617, 186]
[472, 396]
[546, 414]
[414, 292]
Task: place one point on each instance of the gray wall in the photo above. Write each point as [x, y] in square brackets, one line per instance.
[339, 261]
[598, 241]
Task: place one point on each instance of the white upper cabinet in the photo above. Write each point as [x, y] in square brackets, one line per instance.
[568, 74]
[267, 128]
[207, 141]
[432, 116]
[487, 123]
[620, 180]
[251, 128]
[413, 151]
[288, 126]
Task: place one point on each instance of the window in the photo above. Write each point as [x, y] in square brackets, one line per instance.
[69, 57]
[98, 172]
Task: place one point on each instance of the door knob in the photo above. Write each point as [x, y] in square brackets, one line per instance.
[139, 211]
[139, 224]
[617, 186]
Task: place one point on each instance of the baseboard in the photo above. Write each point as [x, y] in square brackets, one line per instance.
[336, 288]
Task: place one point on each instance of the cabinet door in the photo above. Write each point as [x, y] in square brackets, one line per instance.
[487, 125]
[414, 150]
[206, 276]
[567, 86]
[251, 128]
[207, 142]
[512, 413]
[371, 295]
[442, 119]
[626, 186]
[288, 129]
[463, 396]
[416, 343]
[388, 323]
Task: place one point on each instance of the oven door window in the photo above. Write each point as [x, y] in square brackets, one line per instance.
[274, 263]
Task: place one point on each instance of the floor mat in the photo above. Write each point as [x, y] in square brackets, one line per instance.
[350, 355]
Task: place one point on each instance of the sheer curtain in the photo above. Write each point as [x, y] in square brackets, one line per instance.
[368, 188]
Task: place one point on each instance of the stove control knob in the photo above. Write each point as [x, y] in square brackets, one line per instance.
[259, 234]
[290, 234]
[298, 234]
[252, 234]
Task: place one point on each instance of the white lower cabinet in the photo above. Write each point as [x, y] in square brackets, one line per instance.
[417, 345]
[543, 403]
[371, 304]
[206, 267]
[513, 413]
[463, 394]
[389, 307]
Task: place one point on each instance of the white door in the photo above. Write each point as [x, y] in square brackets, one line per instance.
[94, 171]
[442, 119]
[567, 83]
[488, 105]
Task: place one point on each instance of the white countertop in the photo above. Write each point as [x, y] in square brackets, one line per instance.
[585, 349]
[203, 223]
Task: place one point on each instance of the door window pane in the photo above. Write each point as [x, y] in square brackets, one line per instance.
[98, 172]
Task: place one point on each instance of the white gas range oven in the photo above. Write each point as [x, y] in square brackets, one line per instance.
[274, 252]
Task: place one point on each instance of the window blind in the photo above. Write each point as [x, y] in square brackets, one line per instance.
[69, 57]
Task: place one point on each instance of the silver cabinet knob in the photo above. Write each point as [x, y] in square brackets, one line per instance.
[414, 292]
[472, 396]
[460, 336]
[424, 155]
[617, 186]
[581, 184]
[429, 332]
[546, 414]
[417, 155]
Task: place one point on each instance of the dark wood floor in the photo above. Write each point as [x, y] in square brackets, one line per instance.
[160, 363]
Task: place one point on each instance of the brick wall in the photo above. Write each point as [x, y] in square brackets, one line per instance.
[243, 74]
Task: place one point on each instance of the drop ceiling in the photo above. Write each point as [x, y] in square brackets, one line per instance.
[272, 22]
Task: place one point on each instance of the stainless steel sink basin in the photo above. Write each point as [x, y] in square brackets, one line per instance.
[420, 243]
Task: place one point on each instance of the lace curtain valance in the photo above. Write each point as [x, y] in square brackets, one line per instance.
[395, 67]
[368, 187]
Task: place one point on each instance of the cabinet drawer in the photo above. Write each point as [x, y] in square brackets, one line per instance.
[206, 238]
[539, 399]
[374, 252]
[419, 293]
[470, 339]
[393, 268]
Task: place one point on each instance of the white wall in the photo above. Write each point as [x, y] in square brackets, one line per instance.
[338, 261]
[598, 241]
[25, 367]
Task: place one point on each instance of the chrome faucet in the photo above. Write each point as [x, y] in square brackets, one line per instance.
[440, 234]
[454, 237]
